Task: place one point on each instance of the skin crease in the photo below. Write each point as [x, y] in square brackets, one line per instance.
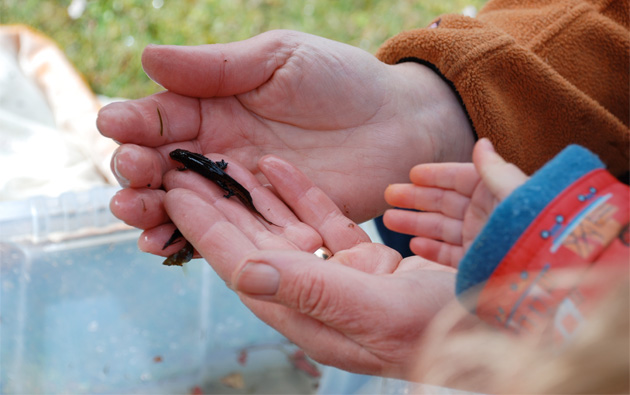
[351, 125]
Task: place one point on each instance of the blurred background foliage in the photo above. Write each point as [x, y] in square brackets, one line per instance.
[104, 39]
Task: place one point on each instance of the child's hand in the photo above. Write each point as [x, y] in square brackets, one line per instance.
[456, 200]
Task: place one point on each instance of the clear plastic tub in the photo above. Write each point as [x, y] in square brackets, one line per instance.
[82, 310]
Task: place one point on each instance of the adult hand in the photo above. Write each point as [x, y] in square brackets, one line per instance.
[351, 123]
[456, 199]
[362, 310]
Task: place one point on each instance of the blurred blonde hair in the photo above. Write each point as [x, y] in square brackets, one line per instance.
[476, 357]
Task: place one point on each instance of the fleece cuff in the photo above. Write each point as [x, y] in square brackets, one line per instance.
[513, 216]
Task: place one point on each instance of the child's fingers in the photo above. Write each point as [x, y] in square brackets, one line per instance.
[460, 177]
[448, 202]
[437, 251]
[500, 177]
[431, 225]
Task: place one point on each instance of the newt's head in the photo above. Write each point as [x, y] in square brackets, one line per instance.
[180, 154]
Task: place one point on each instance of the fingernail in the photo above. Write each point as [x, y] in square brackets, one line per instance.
[258, 279]
[124, 182]
[143, 242]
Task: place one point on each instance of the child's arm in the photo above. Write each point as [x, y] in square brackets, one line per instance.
[456, 200]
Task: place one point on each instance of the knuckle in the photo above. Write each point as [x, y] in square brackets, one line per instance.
[312, 295]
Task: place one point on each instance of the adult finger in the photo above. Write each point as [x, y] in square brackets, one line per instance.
[217, 239]
[140, 208]
[155, 120]
[218, 69]
[501, 177]
[136, 166]
[312, 205]
[153, 240]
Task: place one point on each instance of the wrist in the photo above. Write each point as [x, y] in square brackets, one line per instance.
[440, 123]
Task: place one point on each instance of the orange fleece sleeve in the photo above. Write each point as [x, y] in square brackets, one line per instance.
[535, 75]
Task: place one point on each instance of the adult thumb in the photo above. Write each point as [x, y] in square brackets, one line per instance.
[305, 283]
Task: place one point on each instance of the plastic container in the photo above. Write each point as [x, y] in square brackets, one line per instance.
[82, 310]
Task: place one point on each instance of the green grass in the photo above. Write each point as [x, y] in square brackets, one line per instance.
[106, 41]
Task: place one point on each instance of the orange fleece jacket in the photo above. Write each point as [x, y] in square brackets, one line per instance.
[535, 75]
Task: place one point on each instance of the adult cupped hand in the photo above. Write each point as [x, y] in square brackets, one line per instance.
[362, 310]
[350, 122]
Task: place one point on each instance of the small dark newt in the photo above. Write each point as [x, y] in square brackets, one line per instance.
[213, 171]
[182, 256]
